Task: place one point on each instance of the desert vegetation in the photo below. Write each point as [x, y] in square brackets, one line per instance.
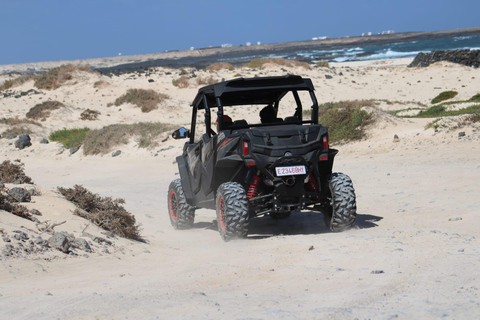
[261, 62]
[42, 110]
[8, 84]
[104, 212]
[443, 96]
[100, 84]
[13, 171]
[204, 81]
[475, 98]
[182, 82]
[90, 115]
[322, 64]
[69, 138]
[7, 203]
[102, 141]
[56, 77]
[146, 99]
[17, 125]
[346, 120]
[220, 66]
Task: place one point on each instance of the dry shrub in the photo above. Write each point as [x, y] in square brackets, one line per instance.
[201, 81]
[100, 84]
[18, 121]
[322, 64]
[13, 171]
[182, 82]
[42, 110]
[102, 141]
[18, 126]
[54, 78]
[89, 114]
[146, 100]
[9, 205]
[261, 62]
[18, 81]
[16, 131]
[104, 212]
[220, 66]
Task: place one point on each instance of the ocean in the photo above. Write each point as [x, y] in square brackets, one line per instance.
[387, 51]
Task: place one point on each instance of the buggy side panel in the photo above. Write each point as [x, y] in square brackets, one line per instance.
[185, 179]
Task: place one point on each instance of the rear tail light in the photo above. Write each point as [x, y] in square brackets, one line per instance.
[325, 142]
[245, 149]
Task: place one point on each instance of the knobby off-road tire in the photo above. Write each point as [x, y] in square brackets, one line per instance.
[232, 211]
[180, 212]
[343, 211]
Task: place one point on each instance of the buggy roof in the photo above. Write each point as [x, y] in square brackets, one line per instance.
[264, 90]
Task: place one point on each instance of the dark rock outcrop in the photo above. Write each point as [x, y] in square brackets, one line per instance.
[74, 149]
[59, 241]
[467, 57]
[20, 195]
[23, 141]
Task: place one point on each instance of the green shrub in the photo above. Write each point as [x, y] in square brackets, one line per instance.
[475, 98]
[440, 111]
[445, 95]
[435, 111]
[146, 100]
[69, 138]
[345, 120]
[42, 110]
[104, 212]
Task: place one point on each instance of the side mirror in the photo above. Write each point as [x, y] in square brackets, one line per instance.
[181, 133]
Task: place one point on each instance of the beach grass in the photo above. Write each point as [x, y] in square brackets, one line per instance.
[69, 138]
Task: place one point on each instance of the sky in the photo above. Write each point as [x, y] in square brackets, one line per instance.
[51, 30]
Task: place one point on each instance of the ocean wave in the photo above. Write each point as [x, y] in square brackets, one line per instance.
[462, 38]
[389, 54]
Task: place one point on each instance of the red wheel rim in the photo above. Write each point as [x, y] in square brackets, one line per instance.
[173, 205]
[220, 212]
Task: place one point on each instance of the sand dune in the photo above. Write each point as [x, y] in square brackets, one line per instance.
[413, 254]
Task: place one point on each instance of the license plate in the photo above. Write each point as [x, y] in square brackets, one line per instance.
[290, 171]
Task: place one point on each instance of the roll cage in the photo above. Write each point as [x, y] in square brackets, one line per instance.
[251, 91]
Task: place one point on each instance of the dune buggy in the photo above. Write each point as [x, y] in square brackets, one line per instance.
[270, 166]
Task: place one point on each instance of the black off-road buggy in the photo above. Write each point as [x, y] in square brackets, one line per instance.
[271, 167]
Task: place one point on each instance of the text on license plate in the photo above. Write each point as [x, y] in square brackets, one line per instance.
[288, 171]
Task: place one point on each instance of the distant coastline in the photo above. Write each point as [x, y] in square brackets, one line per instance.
[202, 57]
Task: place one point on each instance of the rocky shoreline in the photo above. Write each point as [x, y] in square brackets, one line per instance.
[237, 55]
[469, 58]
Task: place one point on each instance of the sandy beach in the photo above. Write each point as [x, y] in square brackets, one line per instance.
[414, 252]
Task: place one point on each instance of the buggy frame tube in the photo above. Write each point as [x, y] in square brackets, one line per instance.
[207, 116]
[219, 114]
[314, 108]
[194, 123]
